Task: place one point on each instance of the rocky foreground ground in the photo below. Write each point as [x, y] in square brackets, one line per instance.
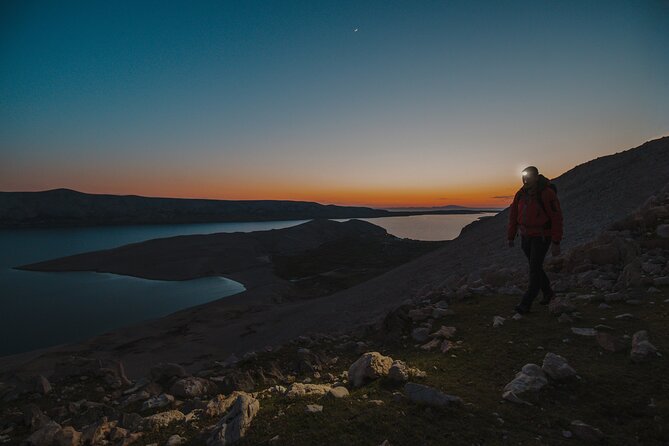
[450, 366]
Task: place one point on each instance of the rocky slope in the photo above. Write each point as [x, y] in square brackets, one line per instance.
[449, 366]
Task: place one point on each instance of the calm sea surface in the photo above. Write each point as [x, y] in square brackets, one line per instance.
[42, 309]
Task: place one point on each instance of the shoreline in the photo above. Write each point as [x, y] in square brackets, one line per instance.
[23, 226]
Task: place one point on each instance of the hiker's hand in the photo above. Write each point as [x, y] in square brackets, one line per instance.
[555, 249]
[510, 243]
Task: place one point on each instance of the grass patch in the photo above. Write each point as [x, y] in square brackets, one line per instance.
[629, 402]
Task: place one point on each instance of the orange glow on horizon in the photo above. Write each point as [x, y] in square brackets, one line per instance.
[480, 196]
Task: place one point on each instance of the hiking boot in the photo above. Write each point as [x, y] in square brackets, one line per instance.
[547, 298]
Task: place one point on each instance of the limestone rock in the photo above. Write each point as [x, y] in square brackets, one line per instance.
[429, 346]
[371, 365]
[584, 331]
[161, 420]
[313, 408]
[557, 367]
[45, 435]
[398, 371]
[420, 334]
[642, 349]
[586, 432]
[175, 440]
[444, 332]
[98, 432]
[296, 390]
[192, 387]
[68, 436]
[338, 392]
[158, 401]
[525, 385]
[220, 404]
[234, 425]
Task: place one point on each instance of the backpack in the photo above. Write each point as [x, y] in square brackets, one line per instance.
[541, 202]
[545, 182]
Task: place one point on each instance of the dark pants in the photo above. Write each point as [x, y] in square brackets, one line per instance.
[535, 249]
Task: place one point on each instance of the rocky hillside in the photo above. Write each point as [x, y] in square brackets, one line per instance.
[449, 366]
[64, 207]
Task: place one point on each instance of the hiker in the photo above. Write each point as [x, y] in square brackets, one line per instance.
[536, 212]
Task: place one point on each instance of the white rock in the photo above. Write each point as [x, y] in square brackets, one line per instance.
[526, 384]
[313, 408]
[584, 331]
[557, 367]
[234, 425]
[371, 365]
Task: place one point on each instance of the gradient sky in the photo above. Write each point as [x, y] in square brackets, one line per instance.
[428, 103]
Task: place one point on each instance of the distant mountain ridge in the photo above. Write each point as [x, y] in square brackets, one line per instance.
[66, 207]
[448, 207]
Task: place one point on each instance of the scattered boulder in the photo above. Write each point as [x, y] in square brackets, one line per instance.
[158, 401]
[338, 392]
[498, 321]
[584, 331]
[526, 384]
[68, 436]
[296, 390]
[220, 404]
[420, 334]
[557, 367]
[586, 432]
[33, 417]
[161, 420]
[98, 432]
[421, 394]
[175, 440]
[193, 387]
[642, 349]
[441, 312]
[444, 332]
[398, 371]
[45, 435]
[371, 365]
[429, 346]
[234, 425]
[313, 408]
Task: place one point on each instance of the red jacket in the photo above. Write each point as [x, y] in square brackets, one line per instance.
[527, 215]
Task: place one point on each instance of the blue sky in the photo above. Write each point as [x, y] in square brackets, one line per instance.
[426, 102]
